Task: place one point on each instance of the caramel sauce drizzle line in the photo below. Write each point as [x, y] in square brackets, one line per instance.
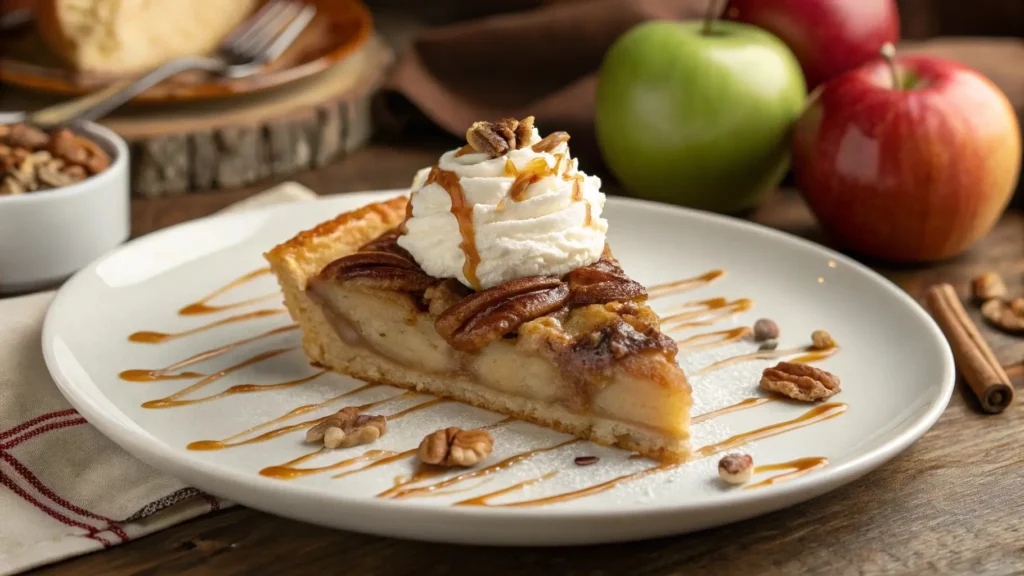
[203, 306]
[230, 441]
[817, 414]
[799, 467]
[742, 405]
[707, 311]
[810, 355]
[147, 337]
[463, 213]
[684, 285]
[484, 499]
[409, 453]
[167, 373]
[288, 471]
[712, 339]
[399, 492]
[172, 400]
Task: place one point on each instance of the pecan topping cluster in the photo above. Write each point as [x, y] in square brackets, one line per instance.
[800, 381]
[498, 138]
[593, 352]
[601, 282]
[455, 447]
[485, 316]
[471, 320]
[32, 160]
[347, 428]
[381, 263]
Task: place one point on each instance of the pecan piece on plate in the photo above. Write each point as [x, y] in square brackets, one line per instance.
[800, 382]
[736, 468]
[987, 286]
[486, 316]
[347, 428]
[455, 447]
[1003, 315]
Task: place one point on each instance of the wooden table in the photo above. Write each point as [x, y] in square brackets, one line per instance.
[952, 503]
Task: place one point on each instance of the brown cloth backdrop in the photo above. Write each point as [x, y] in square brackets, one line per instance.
[541, 61]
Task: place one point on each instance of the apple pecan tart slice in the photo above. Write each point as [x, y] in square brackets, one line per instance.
[581, 353]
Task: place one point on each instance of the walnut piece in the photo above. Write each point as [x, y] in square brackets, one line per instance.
[987, 286]
[1017, 305]
[347, 428]
[455, 447]
[765, 329]
[736, 468]
[822, 340]
[800, 382]
[1002, 315]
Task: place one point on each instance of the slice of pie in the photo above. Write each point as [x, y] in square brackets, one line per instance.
[579, 352]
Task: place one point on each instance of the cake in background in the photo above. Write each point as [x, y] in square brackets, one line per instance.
[117, 37]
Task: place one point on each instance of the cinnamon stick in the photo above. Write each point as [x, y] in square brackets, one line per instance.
[974, 358]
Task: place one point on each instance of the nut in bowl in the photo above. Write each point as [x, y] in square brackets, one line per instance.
[63, 201]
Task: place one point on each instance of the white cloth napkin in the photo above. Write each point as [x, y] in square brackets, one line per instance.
[65, 489]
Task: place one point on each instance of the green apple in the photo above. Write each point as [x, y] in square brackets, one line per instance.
[698, 113]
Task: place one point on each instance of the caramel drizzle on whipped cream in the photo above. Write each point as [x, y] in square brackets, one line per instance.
[463, 213]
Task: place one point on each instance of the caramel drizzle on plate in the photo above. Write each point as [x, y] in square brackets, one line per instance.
[741, 405]
[817, 414]
[705, 312]
[398, 492]
[203, 306]
[288, 469]
[233, 440]
[684, 285]
[712, 339]
[484, 499]
[175, 399]
[808, 355]
[147, 337]
[168, 373]
[798, 468]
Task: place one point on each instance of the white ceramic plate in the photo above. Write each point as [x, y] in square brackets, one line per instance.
[896, 370]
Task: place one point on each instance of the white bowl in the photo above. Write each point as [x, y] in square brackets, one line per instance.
[47, 236]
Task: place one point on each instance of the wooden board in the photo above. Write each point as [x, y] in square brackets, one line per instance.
[227, 143]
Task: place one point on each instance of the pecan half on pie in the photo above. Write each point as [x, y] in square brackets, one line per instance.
[578, 351]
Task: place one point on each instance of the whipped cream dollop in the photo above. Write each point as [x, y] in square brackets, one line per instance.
[525, 213]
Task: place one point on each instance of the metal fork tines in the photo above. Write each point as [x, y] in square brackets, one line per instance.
[262, 38]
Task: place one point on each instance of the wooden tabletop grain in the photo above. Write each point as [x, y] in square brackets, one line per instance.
[952, 503]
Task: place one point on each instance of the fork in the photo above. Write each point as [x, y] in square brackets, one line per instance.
[259, 40]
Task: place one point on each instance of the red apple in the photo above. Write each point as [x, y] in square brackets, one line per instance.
[908, 160]
[829, 37]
